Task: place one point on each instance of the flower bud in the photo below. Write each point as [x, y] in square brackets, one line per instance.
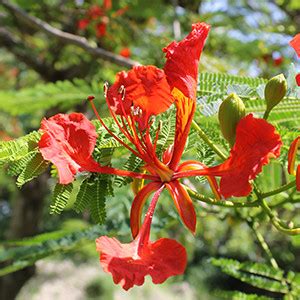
[231, 111]
[275, 90]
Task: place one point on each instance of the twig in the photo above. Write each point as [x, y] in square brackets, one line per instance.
[279, 190]
[224, 203]
[67, 37]
[262, 242]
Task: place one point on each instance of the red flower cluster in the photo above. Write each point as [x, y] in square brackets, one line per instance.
[133, 99]
[98, 15]
[295, 43]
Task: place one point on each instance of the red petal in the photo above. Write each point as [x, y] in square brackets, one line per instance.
[184, 116]
[68, 142]
[130, 263]
[196, 165]
[292, 160]
[292, 155]
[138, 204]
[295, 43]
[298, 79]
[256, 142]
[146, 88]
[160, 260]
[183, 203]
[181, 66]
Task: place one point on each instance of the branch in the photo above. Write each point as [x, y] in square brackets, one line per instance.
[66, 37]
[15, 46]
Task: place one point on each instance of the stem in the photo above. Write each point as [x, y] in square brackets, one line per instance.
[266, 114]
[118, 172]
[276, 221]
[224, 203]
[206, 139]
[263, 244]
[279, 190]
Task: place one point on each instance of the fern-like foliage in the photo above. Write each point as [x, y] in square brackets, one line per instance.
[92, 194]
[61, 195]
[16, 149]
[214, 87]
[261, 276]
[33, 168]
[235, 295]
[33, 249]
[45, 96]
[134, 164]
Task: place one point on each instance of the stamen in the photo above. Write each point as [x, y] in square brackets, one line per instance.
[122, 92]
[110, 132]
[90, 98]
[105, 88]
[136, 111]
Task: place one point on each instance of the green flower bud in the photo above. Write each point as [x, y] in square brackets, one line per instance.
[231, 111]
[275, 90]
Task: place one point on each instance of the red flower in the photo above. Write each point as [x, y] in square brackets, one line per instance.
[295, 43]
[256, 142]
[292, 159]
[130, 263]
[68, 142]
[298, 79]
[147, 93]
[100, 29]
[125, 52]
[278, 61]
[95, 12]
[135, 96]
[107, 4]
[83, 23]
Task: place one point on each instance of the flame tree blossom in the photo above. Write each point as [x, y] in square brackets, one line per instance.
[292, 161]
[134, 98]
[295, 43]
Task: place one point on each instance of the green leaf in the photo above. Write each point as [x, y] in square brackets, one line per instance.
[258, 275]
[236, 295]
[60, 197]
[133, 164]
[14, 150]
[92, 194]
[101, 188]
[44, 96]
[17, 258]
[33, 168]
